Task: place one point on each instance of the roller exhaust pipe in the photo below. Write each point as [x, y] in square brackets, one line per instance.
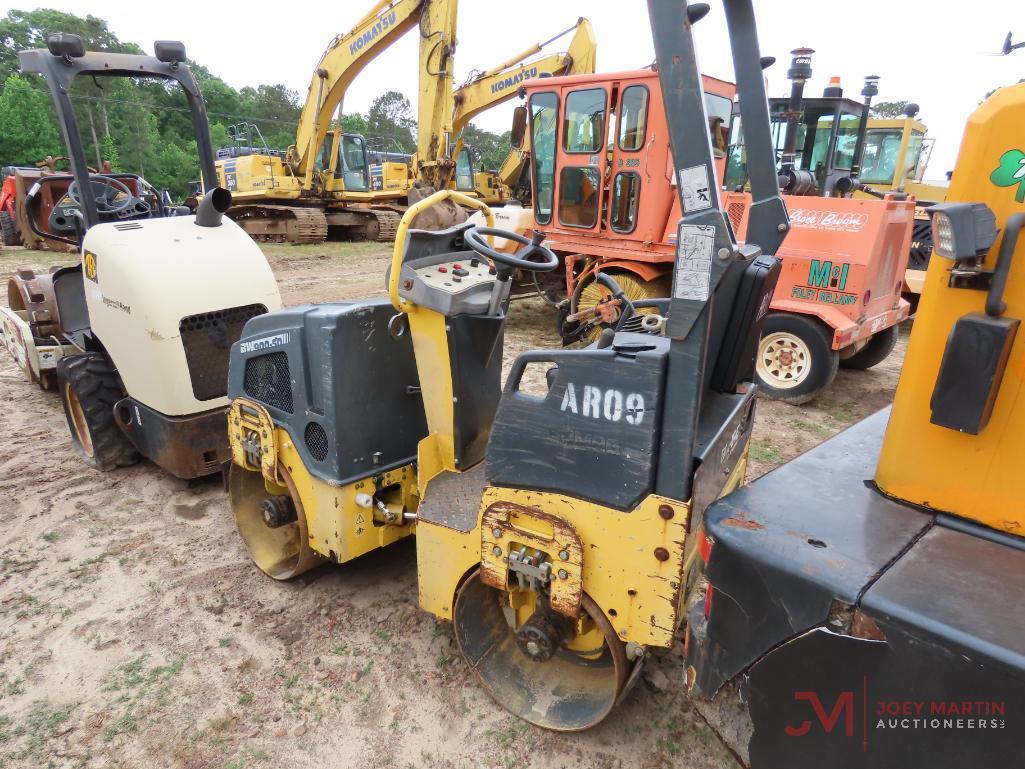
[212, 207]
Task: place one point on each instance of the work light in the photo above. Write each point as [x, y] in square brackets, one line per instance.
[962, 230]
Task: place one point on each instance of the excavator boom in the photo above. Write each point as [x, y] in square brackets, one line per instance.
[344, 59]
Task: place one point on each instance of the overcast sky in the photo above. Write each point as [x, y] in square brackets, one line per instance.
[937, 53]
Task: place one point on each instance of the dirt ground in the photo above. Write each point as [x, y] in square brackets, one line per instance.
[135, 632]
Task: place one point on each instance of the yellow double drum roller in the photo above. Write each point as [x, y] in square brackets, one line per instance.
[554, 518]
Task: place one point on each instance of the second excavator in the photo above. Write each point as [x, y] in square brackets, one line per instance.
[326, 183]
[294, 197]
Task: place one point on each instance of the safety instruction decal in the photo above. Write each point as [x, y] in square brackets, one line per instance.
[694, 262]
[694, 185]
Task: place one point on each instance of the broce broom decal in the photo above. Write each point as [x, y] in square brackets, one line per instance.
[1010, 172]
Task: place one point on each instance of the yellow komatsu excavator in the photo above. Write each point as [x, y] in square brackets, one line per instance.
[484, 90]
[319, 183]
[327, 179]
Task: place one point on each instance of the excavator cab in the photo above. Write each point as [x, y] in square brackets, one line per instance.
[827, 135]
[464, 179]
[348, 160]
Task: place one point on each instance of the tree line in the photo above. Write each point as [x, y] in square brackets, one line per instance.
[143, 126]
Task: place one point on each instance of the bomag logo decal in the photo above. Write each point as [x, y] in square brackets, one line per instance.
[826, 283]
[1011, 171]
[116, 304]
[372, 34]
[514, 80]
[89, 266]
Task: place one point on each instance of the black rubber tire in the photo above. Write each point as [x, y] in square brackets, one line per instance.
[9, 230]
[876, 351]
[91, 379]
[824, 359]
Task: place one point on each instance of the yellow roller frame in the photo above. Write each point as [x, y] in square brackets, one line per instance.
[436, 452]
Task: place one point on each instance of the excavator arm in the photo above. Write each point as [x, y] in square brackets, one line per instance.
[581, 55]
[344, 59]
[488, 89]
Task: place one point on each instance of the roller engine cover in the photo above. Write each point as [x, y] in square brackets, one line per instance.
[347, 392]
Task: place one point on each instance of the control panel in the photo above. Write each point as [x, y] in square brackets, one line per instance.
[457, 275]
[452, 283]
[62, 217]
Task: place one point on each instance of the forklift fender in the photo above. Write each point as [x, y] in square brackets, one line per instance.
[852, 628]
[782, 562]
[909, 697]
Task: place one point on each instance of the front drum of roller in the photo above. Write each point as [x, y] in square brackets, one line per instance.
[571, 691]
[281, 552]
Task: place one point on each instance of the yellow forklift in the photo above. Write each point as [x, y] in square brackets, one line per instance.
[862, 599]
[553, 518]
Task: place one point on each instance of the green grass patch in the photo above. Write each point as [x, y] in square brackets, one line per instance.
[842, 414]
[138, 686]
[37, 730]
[762, 452]
[819, 431]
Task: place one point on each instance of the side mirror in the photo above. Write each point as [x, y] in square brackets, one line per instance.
[519, 126]
[169, 51]
[65, 45]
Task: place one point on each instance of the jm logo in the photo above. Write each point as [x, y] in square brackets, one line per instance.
[844, 706]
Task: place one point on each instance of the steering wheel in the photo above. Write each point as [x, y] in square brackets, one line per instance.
[520, 260]
[105, 200]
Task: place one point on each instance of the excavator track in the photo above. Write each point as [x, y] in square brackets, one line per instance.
[281, 224]
[387, 224]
